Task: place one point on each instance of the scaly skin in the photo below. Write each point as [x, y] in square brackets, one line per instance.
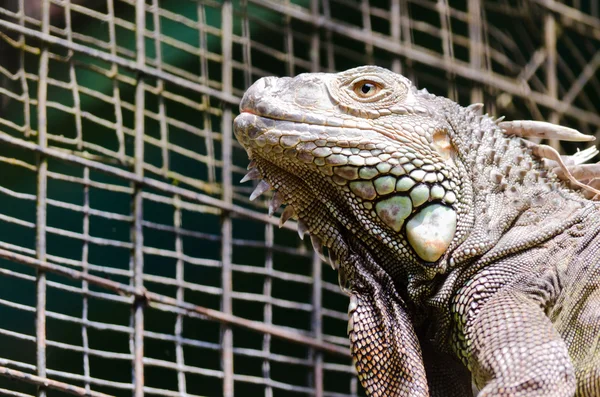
[465, 257]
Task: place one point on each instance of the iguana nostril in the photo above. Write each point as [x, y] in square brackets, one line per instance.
[255, 92]
[268, 81]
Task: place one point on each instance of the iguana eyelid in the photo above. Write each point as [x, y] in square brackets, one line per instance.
[371, 79]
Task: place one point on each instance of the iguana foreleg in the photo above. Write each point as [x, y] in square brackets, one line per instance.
[516, 350]
[388, 355]
[384, 346]
[446, 376]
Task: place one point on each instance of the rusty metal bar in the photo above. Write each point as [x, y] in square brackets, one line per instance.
[145, 295]
[137, 232]
[226, 221]
[48, 383]
[41, 206]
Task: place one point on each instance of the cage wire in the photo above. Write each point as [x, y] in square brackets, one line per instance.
[132, 261]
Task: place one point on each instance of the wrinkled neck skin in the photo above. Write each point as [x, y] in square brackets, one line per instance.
[514, 205]
[360, 257]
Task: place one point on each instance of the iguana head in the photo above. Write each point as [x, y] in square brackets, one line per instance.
[370, 149]
[363, 155]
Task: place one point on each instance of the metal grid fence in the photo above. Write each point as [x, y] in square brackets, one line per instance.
[131, 260]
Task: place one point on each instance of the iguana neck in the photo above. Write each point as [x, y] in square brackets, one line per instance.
[510, 187]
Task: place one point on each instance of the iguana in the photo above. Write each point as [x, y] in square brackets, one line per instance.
[470, 253]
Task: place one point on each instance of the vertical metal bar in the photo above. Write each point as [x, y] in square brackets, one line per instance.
[315, 48]
[475, 45]
[137, 231]
[247, 55]
[268, 309]
[114, 70]
[179, 275]
[41, 205]
[367, 28]
[407, 36]
[551, 60]
[289, 43]
[317, 322]
[210, 147]
[487, 57]
[395, 24]
[86, 200]
[73, 77]
[84, 284]
[227, 227]
[329, 38]
[160, 85]
[447, 45]
[354, 386]
[22, 73]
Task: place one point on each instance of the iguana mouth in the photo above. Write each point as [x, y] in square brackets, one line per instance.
[307, 197]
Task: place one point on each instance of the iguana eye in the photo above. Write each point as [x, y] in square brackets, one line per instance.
[366, 89]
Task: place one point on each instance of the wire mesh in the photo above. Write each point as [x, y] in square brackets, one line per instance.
[132, 261]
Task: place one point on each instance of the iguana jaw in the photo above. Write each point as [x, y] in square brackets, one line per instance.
[321, 210]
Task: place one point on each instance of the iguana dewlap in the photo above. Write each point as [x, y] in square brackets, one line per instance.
[468, 252]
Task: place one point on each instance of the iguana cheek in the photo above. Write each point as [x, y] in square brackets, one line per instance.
[431, 231]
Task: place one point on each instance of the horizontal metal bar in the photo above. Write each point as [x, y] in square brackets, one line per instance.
[145, 295]
[143, 181]
[430, 58]
[6, 392]
[574, 15]
[49, 383]
[120, 61]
